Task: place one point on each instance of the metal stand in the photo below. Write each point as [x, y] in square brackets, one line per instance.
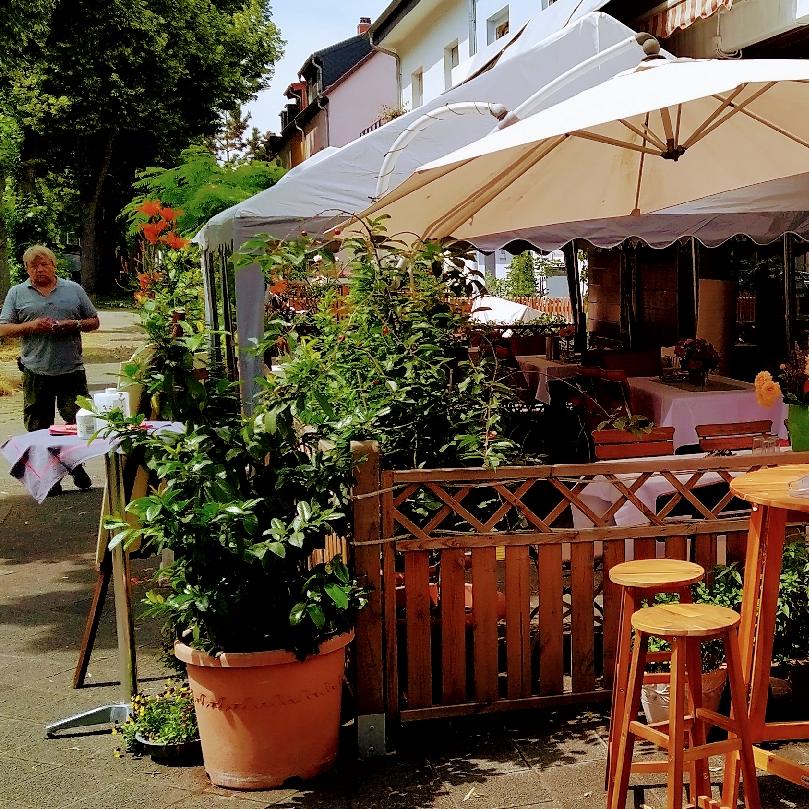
[114, 463]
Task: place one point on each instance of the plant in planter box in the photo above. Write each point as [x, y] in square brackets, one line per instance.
[242, 506]
[164, 724]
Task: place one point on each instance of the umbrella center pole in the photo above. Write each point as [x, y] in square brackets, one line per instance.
[674, 151]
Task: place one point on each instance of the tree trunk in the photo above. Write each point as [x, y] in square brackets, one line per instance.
[5, 268]
[96, 173]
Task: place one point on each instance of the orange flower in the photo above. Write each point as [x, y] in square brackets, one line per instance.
[174, 241]
[150, 207]
[171, 214]
[152, 230]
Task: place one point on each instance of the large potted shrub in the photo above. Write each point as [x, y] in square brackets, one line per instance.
[242, 506]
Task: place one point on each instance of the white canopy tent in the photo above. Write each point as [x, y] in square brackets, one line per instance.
[320, 192]
[342, 181]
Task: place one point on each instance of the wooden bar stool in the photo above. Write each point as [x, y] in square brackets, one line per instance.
[685, 627]
[641, 579]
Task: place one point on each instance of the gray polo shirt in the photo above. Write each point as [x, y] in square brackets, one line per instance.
[49, 354]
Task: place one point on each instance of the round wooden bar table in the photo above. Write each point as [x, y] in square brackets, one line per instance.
[774, 505]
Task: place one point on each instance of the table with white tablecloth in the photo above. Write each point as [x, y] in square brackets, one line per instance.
[600, 494]
[539, 369]
[671, 406]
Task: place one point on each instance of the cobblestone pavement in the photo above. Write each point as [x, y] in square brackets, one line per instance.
[548, 760]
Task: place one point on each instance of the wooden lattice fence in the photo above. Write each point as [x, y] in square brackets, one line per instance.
[488, 597]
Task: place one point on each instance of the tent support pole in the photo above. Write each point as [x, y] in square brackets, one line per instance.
[574, 290]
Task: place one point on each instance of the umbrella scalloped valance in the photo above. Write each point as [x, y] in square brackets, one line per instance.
[680, 14]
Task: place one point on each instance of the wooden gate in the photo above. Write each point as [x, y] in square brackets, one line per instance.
[490, 590]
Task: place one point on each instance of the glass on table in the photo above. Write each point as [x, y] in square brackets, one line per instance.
[765, 444]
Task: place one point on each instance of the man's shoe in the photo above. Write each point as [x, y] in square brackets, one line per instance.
[81, 478]
[56, 490]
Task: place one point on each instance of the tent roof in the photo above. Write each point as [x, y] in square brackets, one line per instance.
[323, 191]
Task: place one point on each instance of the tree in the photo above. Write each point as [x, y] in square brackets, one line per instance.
[258, 145]
[122, 84]
[201, 186]
[229, 142]
[20, 25]
[521, 279]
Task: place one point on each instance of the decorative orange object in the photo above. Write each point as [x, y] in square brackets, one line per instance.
[150, 207]
[174, 241]
[266, 717]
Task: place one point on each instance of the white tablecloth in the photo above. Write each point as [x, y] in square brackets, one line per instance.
[545, 369]
[669, 406]
[599, 494]
[40, 460]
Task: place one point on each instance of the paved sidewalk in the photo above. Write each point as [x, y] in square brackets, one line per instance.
[547, 760]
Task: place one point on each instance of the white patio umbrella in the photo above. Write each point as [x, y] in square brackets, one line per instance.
[668, 132]
[492, 309]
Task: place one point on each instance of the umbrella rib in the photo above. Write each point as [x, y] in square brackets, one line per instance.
[760, 119]
[679, 119]
[643, 131]
[734, 108]
[475, 202]
[713, 116]
[622, 144]
[665, 117]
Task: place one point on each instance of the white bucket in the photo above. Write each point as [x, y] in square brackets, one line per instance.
[654, 699]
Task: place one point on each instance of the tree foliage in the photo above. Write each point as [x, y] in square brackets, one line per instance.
[201, 186]
[111, 87]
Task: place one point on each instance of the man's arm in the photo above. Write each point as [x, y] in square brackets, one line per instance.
[75, 326]
[40, 325]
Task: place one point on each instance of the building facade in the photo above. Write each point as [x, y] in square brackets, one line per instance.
[341, 91]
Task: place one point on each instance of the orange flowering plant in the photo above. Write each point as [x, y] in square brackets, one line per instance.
[792, 383]
[170, 366]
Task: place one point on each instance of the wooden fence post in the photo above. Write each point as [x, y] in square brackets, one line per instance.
[368, 644]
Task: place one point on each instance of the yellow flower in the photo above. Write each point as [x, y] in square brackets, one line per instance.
[768, 393]
[762, 377]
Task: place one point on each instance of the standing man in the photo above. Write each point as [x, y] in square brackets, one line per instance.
[49, 314]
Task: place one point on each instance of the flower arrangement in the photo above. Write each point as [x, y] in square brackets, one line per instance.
[792, 382]
[164, 718]
[696, 354]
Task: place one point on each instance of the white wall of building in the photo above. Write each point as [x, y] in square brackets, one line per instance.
[421, 46]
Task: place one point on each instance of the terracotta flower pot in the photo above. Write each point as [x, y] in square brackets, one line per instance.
[266, 717]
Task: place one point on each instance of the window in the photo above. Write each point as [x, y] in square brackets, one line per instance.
[450, 61]
[497, 25]
[417, 88]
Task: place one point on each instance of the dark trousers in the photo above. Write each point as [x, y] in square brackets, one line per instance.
[43, 394]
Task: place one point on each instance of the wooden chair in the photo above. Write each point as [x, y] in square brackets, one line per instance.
[736, 435]
[641, 580]
[611, 445]
[685, 627]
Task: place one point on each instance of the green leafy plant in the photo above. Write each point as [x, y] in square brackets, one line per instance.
[621, 420]
[200, 186]
[170, 364]
[791, 641]
[393, 366]
[242, 505]
[164, 718]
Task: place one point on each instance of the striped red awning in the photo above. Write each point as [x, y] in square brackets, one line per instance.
[680, 14]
